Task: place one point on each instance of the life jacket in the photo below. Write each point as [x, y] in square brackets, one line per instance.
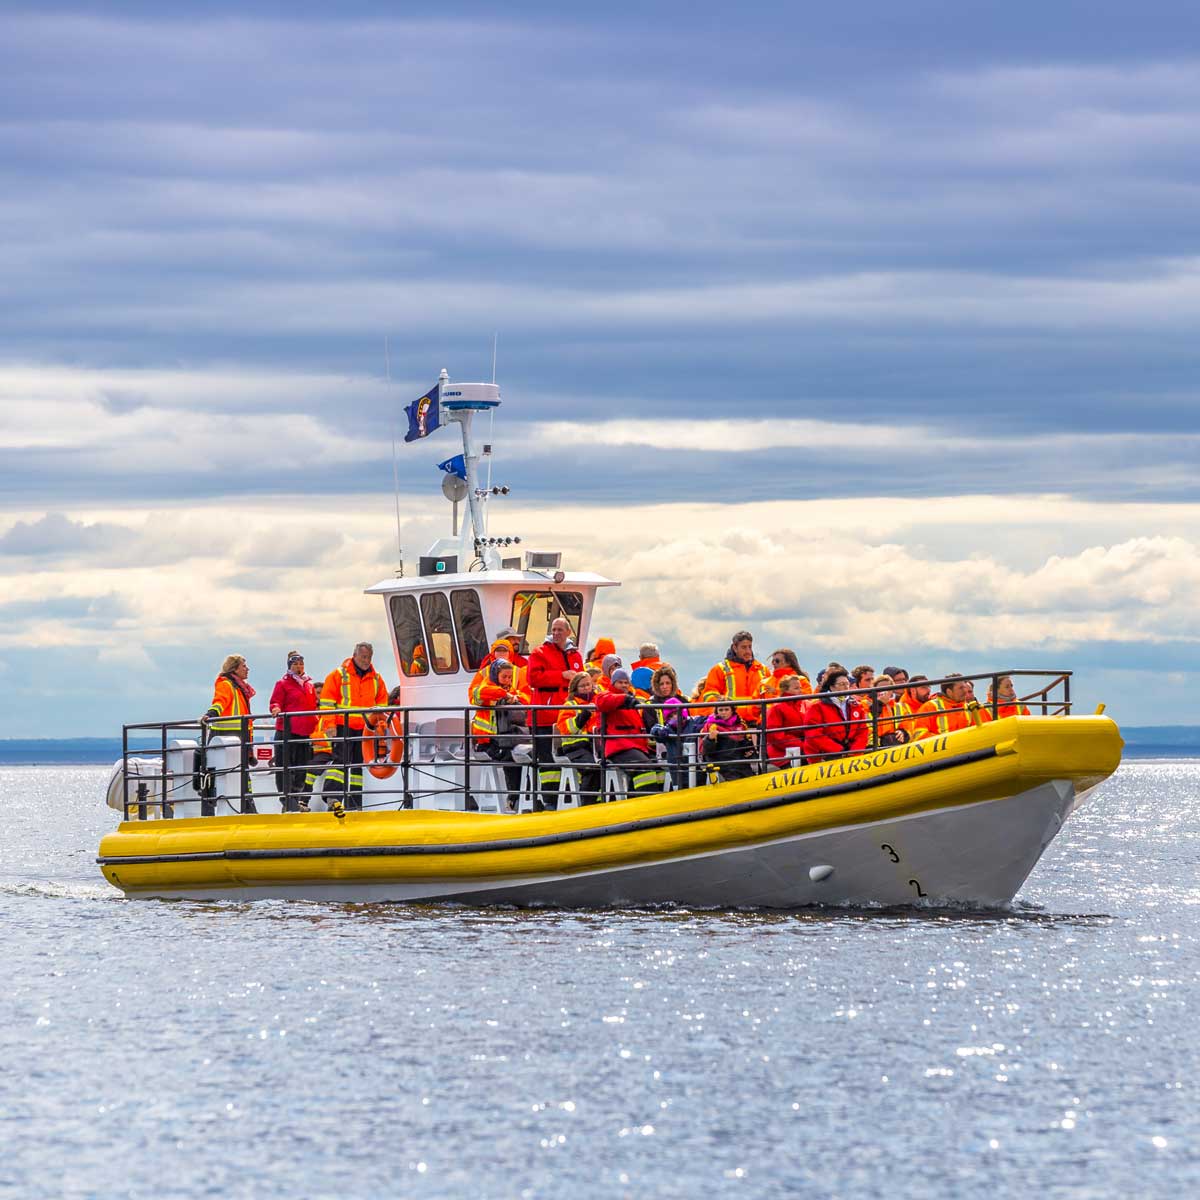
[939, 716]
[230, 701]
[732, 679]
[890, 719]
[574, 723]
[344, 687]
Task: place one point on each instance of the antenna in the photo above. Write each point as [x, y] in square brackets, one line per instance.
[387, 366]
[495, 339]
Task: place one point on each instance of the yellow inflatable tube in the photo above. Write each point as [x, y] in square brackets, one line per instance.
[995, 760]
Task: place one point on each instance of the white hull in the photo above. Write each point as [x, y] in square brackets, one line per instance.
[975, 855]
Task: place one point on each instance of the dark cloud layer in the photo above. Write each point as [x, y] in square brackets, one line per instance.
[981, 219]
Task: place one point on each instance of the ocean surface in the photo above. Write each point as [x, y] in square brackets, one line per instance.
[155, 1049]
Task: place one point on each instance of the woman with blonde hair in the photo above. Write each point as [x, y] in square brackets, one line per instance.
[230, 703]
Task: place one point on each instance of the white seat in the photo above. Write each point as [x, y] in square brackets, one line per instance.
[489, 787]
[569, 788]
[616, 783]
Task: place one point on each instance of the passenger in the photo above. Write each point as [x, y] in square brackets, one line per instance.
[785, 723]
[642, 679]
[231, 700]
[501, 649]
[835, 724]
[824, 672]
[945, 712]
[647, 657]
[625, 741]
[864, 677]
[887, 716]
[783, 664]
[576, 732]
[917, 694]
[973, 703]
[726, 742]
[355, 684]
[668, 724]
[596, 675]
[1007, 704]
[500, 724]
[739, 675]
[518, 660]
[899, 677]
[595, 656]
[610, 663]
[552, 666]
[294, 693]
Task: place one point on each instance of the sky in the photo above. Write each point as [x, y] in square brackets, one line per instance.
[868, 327]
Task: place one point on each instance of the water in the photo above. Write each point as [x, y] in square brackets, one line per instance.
[156, 1049]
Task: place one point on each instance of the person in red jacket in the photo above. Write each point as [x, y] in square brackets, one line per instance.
[835, 724]
[294, 693]
[552, 666]
[625, 742]
[785, 722]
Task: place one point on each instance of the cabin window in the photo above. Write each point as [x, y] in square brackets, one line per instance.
[532, 613]
[410, 641]
[468, 620]
[439, 628]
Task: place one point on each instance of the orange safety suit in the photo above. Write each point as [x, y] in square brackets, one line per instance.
[344, 687]
[1008, 710]
[574, 725]
[732, 679]
[519, 686]
[228, 703]
[483, 721]
[891, 720]
[939, 715]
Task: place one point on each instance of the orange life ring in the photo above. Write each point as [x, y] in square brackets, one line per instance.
[383, 744]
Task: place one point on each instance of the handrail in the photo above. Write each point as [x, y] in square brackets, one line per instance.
[416, 720]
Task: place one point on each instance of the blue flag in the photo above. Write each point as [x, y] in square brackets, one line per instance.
[456, 466]
[423, 414]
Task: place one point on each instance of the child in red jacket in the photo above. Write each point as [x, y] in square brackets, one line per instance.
[835, 724]
[785, 723]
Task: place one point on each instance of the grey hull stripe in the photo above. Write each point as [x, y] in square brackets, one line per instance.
[576, 835]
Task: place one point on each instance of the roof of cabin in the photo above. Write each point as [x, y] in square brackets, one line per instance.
[420, 583]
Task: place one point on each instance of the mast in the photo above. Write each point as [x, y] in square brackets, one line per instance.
[460, 402]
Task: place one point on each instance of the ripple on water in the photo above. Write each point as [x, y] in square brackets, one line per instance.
[274, 1048]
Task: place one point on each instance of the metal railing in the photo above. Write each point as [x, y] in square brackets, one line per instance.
[440, 760]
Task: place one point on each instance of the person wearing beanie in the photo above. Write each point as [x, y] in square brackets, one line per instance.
[625, 742]
[608, 664]
[294, 693]
[498, 726]
[739, 675]
[836, 725]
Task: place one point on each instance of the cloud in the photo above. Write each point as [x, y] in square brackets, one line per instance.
[57, 535]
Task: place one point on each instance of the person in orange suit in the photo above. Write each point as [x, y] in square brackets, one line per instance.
[738, 676]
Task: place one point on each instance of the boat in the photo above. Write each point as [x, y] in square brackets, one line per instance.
[957, 819]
